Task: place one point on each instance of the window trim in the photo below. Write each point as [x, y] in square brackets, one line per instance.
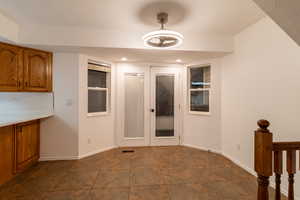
[107, 89]
[189, 90]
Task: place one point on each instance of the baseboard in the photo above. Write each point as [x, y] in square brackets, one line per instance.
[57, 158]
[202, 148]
[284, 190]
[95, 152]
[60, 158]
[238, 163]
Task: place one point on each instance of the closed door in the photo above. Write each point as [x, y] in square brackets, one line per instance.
[11, 67]
[148, 106]
[27, 144]
[37, 71]
[165, 106]
[133, 106]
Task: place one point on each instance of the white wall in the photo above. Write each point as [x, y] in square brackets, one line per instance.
[9, 31]
[260, 80]
[59, 134]
[95, 133]
[203, 131]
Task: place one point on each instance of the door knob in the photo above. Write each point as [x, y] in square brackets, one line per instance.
[152, 110]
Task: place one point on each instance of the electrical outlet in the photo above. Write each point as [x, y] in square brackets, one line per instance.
[89, 141]
[238, 146]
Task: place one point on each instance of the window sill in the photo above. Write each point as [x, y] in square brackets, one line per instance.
[200, 113]
[97, 114]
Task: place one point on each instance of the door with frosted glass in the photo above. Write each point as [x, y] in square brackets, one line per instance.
[164, 106]
[134, 110]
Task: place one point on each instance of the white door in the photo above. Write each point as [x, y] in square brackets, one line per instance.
[165, 106]
[133, 114]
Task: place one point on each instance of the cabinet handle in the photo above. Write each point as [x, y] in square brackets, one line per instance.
[19, 129]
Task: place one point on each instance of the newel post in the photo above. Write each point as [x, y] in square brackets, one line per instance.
[263, 158]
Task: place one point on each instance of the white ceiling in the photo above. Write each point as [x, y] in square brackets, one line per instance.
[87, 26]
[138, 55]
[212, 16]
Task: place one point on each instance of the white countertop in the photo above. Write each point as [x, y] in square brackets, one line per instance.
[10, 119]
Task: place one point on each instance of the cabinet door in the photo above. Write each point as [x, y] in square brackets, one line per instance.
[11, 68]
[27, 144]
[38, 73]
[7, 153]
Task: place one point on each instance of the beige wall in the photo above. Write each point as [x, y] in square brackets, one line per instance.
[203, 131]
[71, 134]
[9, 31]
[59, 134]
[96, 133]
[260, 80]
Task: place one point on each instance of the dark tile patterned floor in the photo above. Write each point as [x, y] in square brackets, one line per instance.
[150, 173]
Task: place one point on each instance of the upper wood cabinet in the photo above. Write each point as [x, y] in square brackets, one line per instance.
[11, 68]
[24, 69]
[37, 71]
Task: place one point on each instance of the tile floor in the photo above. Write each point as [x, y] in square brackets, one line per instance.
[150, 173]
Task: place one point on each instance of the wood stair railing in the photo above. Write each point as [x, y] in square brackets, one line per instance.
[265, 148]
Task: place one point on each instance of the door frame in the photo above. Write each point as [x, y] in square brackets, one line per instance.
[176, 139]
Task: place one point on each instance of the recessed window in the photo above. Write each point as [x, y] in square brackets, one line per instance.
[199, 89]
[98, 88]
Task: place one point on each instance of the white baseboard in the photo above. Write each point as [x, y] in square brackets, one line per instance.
[58, 158]
[95, 152]
[237, 162]
[284, 190]
[202, 148]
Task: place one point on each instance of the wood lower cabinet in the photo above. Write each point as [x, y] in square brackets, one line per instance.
[11, 67]
[27, 145]
[24, 69]
[6, 153]
[19, 148]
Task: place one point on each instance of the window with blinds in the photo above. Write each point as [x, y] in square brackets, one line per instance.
[98, 88]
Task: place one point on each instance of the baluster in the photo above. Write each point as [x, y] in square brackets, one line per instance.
[291, 169]
[278, 172]
[263, 158]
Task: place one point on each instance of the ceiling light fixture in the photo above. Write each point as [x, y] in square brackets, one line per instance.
[124, 59]
[179, 60]
[163, 39]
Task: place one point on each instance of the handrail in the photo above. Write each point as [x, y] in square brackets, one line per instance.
[267, 151]
[286, 146]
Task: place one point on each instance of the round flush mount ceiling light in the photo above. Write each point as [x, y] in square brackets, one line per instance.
[163, 39]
